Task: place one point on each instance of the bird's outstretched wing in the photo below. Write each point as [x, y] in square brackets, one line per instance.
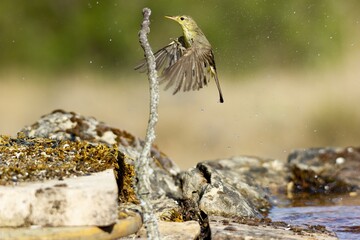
[166, 57]
[190, 72]
[186, 68]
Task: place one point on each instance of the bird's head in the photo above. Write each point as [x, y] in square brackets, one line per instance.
[186, 22]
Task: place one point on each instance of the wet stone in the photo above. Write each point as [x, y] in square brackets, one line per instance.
[325, 170]
[212, 193]
[263, 229]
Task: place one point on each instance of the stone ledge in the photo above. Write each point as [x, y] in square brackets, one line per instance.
[81, 201]
[123, 227]
[173, 230]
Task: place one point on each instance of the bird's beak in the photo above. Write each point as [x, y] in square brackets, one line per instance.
[172, 18]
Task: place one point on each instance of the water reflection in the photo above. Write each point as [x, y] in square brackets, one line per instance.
[340, 214]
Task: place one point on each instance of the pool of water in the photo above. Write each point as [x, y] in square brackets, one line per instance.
[342, 216]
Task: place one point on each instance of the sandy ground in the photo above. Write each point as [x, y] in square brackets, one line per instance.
[266, 114]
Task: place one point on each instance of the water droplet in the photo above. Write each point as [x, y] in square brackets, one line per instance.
[340, 160]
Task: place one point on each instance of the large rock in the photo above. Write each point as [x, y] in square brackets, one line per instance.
[69, 126]
[62, 125]
[325, 170]
[232, 187]
[83, 201]
[209, 190]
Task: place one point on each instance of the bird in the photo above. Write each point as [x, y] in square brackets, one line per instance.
[187, 62]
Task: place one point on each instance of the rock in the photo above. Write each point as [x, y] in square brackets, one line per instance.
[37, 159]
[232, 187]
[126, 225]
[175, 230]
[212, 193]
[325, 170]
[238, 228]
[63, 125]
[255, 177]
[83, 201]
[226, 197]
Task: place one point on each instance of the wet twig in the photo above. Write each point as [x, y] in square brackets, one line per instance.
[143, 170]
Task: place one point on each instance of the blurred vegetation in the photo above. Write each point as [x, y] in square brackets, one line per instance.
[64, 35]
[334, 123]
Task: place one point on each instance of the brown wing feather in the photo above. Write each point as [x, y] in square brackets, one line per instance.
[192, 70]
[165, 57]
[186, 69]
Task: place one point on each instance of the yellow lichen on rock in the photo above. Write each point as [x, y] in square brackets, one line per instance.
[26, 159]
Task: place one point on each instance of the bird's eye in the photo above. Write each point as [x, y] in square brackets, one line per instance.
[182, 18]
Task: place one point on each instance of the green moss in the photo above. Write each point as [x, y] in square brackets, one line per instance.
[172, 215]
[25, 159]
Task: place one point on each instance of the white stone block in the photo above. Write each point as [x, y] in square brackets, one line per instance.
[81, 201]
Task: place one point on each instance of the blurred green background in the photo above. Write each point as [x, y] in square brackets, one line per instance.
[64, 35]
[289, 71]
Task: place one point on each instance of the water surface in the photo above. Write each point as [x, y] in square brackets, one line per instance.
[340, 214]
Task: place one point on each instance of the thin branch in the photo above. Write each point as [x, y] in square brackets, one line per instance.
[142, 168]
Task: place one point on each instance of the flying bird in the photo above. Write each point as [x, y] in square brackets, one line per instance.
[187, 63]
